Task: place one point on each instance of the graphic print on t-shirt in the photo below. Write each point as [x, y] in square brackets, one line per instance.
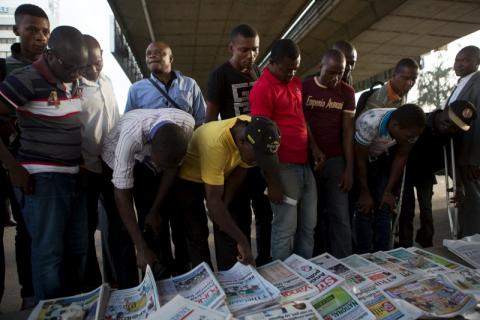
[321, 103]
[240, 92]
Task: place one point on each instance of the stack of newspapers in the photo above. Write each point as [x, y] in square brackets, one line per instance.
[393, 285]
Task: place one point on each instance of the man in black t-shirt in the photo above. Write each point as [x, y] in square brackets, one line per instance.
[228, 89]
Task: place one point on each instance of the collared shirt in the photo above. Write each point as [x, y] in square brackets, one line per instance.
[282, 103]
[99, 115]
[130, 140]
[48, 113]
[183, 90]
[212, 153]
[385, 97]
[459, 87]
[372, 130]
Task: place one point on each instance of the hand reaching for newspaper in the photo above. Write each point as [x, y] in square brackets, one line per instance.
[153, 222]
[145, 256]
[245, 255]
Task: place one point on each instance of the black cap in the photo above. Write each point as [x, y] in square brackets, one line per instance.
[263, 134]
[462, 113]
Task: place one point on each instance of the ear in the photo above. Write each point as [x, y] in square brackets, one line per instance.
[171, 58]
[230, 47]
[15, 30]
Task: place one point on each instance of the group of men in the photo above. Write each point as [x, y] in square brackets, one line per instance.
[318, 175]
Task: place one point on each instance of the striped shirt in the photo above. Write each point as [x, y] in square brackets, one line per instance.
[130, 140]
[48, 117]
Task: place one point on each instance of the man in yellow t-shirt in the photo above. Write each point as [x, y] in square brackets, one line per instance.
[214, 167]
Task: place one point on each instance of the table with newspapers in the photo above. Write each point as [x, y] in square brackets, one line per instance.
[403, 283]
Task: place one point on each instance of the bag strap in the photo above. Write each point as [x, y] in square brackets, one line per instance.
[165, 94]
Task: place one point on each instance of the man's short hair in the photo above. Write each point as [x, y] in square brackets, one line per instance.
[333, 54]
[66, 38]
[406, 63]
[284, 48]
[409, 116]
[473, 50]
[29, 9]
[171, 140]
[344, 46]
[244, 30]
[91, 41]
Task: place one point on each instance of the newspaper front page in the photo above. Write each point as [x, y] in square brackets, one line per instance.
[416, 260]
[444, 262]
[340, 304]
[467, 249]
[323, 279]
[381, 277]
[292, 287]
[184, 309]
[353, 280]
[198, 285]
[295, 310]
[401, 272]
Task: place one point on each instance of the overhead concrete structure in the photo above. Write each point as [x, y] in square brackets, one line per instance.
[383, 31]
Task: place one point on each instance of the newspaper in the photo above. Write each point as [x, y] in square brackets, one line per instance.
[416, 260]
[444, 262]
[292, 287]
[353, 280]
[323, 279]
[381, 306]
[198, 285]
[135, 303]
[466, 280]
[339, 303]
[296, 310]
[84, 306]
[433, 296]
[380, 276]
[405, 264]
[467, 249]
[181, 308]
[403, 273]
[246, 290]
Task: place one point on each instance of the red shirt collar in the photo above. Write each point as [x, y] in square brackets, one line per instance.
[42, 67]
[271, 78]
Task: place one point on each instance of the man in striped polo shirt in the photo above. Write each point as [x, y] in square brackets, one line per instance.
[45, 172]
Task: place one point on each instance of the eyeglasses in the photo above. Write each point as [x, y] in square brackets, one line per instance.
[412, 140]
[69, 68]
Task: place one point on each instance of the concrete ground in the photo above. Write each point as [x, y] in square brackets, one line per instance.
[11, 299]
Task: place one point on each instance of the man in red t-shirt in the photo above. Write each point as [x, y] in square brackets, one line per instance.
[329, 106]
[277, 95]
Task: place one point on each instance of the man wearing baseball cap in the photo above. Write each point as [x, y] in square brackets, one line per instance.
[215, 165]
[426, 158]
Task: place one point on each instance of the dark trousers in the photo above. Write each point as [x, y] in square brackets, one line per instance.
[145, 191]
[252, 189]
[120, 268]
[424, 186]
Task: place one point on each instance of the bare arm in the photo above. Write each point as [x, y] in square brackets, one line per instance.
[396, 171]
[317, 154]
[213, 110]
[365, 202]
[348, 126]
[232, 184]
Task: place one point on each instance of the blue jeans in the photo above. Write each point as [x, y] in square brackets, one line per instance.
[373, 229]
[56, 218]
[333, 232]
[293, 226]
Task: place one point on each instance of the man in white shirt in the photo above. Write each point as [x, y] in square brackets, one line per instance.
[466, 66]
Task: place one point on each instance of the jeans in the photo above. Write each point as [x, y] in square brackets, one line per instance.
[468, 211]
[373, 229]
[56, 218]
[293, 226]
[424, 186]
[333, 231]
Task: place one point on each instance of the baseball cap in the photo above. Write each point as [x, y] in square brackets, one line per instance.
[264, 136]
[462, 113]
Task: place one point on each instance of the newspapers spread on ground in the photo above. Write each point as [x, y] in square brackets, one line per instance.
[416, 260]
[181, 308]
[199, 285]
[467, 248]
[433, 296]
[444, 262]
[403, 273]
[339, 303]
[246, 290]
[380, 276]
[295, 310]
[353, 280]
[405, 264]
[102, 303]
[292, 286]
[323, 279]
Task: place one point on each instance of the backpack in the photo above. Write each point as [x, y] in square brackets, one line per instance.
[362, 100]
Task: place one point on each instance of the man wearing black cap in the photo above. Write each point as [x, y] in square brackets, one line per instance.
[215, 165]
[424, 160]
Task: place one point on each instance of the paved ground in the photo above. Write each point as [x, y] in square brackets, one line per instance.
[11, 300]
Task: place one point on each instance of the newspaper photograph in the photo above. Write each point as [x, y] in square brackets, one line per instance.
[181, 308]
[381, 306]
[135, 303]
[198, 285]
[353, 280]
[292, 287]
[83, 306]
[381, 277]
[323, 279]
[434, 297]
[403, 273]
[405, 264]
[444, 262]
[340, 304]
[466, 250]
[245, 290]
[466, 280]
[295, 310]
[416, 260]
